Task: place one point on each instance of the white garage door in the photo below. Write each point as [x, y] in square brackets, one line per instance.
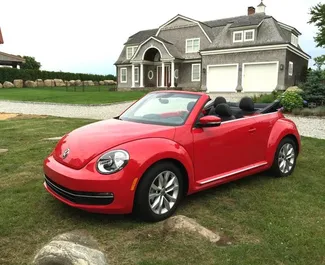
[223, 78]
[260, 77]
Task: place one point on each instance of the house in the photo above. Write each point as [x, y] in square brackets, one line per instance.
[7, 59]
[250, 53]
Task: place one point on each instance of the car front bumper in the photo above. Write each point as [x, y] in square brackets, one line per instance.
[88, 190]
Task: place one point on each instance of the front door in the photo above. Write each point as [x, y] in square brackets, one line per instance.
[166, 78]
[221, 151]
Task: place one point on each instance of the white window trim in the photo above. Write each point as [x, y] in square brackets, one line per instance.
[199, 79]
[134, 48]
[126, 75]
[253, 37]
[237, 32]
[294, 39]
[192, 39]
[150, 74]
[136, 69]
[290, 73]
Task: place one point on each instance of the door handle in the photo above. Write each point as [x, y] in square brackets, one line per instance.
[252, 130]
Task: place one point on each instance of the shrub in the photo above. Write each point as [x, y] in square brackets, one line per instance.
[267, 98]
[291, 100]
[314, 88]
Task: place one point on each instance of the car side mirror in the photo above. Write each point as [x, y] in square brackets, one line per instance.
[209, 121]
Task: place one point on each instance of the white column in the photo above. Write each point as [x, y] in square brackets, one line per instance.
[132, 74]
[172, 75]
[141, 75]
[162, 74]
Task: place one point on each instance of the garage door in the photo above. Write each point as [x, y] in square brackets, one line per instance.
[222, 78]
[260, 77]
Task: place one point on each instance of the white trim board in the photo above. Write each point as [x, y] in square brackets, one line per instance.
[185, 18]
[257, 48]
[151, 38]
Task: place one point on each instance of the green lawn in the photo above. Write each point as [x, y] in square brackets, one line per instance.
[269, 221]
[90, 95]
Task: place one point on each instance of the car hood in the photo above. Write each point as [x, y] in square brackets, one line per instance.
[87, 142]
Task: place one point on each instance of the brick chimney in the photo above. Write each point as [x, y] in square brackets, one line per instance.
[251, 10]
[1, 39]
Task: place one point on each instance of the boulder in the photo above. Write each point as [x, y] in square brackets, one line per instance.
[101, 83]
[29, 83]
[71, 249]
[59, 82]
[72, 82]
[40, 83]
[8, 84]
[185, 224]
[19, 83]
[49, 83]
[1, 86]
[78, 83]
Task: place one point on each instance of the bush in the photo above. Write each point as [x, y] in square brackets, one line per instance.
[10, 74]
[291, 100]
[314, 88]
[267, 98]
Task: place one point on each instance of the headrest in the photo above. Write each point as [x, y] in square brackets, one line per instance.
[246, 103]
[223, 109]
[190, 105]
[219, 100]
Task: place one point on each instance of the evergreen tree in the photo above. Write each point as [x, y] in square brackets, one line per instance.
[314, 88]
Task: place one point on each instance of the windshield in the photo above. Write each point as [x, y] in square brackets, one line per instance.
[164, 108]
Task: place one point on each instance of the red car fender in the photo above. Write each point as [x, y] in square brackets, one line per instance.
[282, 128]
[147, 152]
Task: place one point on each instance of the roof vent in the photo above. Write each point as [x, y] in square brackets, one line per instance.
[261, 8]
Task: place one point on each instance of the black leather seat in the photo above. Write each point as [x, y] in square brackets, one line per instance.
[246, 104]
[218, 100]
[237, 112]
[224, 112]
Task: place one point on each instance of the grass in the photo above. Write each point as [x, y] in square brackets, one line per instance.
[267, 220]
[90, 95]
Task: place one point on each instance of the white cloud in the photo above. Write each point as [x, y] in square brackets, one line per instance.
[88, 36]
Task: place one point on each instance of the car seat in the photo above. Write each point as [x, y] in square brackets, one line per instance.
[246, 104]
[217, 101]
[223, 111]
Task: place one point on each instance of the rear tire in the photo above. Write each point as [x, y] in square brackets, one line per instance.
[285, 158]
[159, 192]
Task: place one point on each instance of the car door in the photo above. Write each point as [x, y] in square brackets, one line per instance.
[220, 150]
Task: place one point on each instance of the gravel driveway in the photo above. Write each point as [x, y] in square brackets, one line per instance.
[312, 127]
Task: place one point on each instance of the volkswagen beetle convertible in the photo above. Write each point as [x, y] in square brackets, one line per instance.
[167, 145]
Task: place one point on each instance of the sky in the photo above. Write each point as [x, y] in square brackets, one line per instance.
[83, 36]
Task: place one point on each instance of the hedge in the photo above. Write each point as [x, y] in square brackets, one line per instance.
[10, 74]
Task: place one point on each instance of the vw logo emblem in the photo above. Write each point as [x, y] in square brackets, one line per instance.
[66, 153]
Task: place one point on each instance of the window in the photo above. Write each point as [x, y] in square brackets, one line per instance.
[124, 75]
[150, 74]
[238, 36]
[294, 39]
[176, 74]
[192, 45]
[136, 74]
[196, 72]
[130, 51]
[290, 68]
[249, 35]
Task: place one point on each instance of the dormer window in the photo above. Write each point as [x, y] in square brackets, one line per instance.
[244, 35]
[192, 45]
[294, 39]
[130, 51]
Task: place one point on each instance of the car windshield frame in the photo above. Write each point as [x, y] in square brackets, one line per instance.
[163, 97]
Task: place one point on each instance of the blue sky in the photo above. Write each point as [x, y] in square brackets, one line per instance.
[88, 36]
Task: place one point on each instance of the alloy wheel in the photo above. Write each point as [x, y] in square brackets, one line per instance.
[163, 192]
[286, 158]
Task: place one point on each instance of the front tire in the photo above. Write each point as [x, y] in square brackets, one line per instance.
[285, 158]
[159, 192]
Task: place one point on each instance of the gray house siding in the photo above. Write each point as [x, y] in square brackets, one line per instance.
[300, 66]
[129, 80]
[246, 57]
[185, 77]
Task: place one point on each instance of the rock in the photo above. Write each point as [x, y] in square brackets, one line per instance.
[185, 224]
[1, 86]
[109, 82]
[59, 82]
[72, 82]
[8, 84]
[74, 248]
[19, 83]
[3, 151]
[78, 83]
[40, 83]
[29, 83]
[49, 83]
[102, 83]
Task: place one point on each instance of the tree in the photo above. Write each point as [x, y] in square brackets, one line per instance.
[30, 63]
[314, 88]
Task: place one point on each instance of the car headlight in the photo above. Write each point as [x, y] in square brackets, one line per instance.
[112, 161]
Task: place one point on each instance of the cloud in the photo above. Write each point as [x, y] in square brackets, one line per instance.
[88, 36]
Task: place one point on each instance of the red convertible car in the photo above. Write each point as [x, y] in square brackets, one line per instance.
[165, 146]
